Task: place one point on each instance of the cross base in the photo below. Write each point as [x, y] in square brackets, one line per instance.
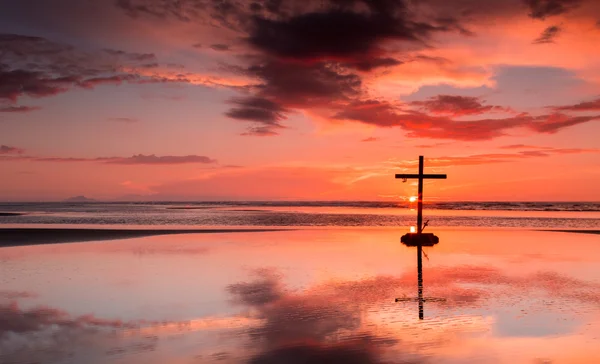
[422, 239]
[416, 299]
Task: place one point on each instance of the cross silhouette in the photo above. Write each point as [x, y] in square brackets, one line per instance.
[419, 239]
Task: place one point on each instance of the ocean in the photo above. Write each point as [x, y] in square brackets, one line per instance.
[539, 215]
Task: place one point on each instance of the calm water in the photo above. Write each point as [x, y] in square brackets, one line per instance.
[304, 296]
[578, 215]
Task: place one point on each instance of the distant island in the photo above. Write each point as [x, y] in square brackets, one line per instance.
[79, 199]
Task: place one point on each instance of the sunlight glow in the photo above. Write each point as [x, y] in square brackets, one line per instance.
[413, 229]
[412, 198]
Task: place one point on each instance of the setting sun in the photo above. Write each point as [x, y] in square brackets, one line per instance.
[412, 198]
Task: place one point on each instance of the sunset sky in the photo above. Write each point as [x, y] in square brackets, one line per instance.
[289, 99]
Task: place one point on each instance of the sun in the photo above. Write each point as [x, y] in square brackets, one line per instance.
[412, 198]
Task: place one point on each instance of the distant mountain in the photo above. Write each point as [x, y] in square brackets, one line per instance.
[79, 199]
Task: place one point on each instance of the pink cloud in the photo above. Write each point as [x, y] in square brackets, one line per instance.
[5, 149]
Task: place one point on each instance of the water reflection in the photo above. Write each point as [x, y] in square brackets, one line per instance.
[305, 296]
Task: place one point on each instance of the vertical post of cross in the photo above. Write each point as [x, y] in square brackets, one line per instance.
[421, 176]
[419, 231]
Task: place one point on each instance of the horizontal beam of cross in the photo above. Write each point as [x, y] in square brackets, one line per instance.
[424, 176]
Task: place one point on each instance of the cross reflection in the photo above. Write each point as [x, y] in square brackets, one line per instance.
[420, 239]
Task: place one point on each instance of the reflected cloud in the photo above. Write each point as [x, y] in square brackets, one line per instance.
[306, 326]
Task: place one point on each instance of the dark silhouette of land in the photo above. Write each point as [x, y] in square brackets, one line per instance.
[35, 236]
[576, 231]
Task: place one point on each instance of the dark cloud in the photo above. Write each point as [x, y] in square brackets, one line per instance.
[336, 34]
[540, 9]
[124, 120]
[266, 288]
[111, 80]
[298, 327]
[220, 47]
[257, 109]
[456, 105]
[19, 108]
[350, 352]
[548, 35]
[553, 123]
[5, 149]
[582, 106]
[367, 65]
[38, 67]
[184, 11]
[268, 114]
[15, 83]
[297, 85]
[17, 320]
[285, 86]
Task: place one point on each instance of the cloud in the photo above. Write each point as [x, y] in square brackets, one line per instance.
[478, 159]
[153, 159]
[38, 67]
[372, 64]
[124, 120]
[551, 124]
[297, 326]
[259, 131]
[268, 114]
[370, 139]
[5, 149]
[15, 83]
[355, 351]
[523, 146]
[138, 159]
[582, 106]
[548, 35]
[19, 108]
[422, 125]
[329, 322]
[305, 86]
[435, 145]
[456, 105]
[541, 9]
[337, 33]
[266, 288]
[257, 109]
[220, 47]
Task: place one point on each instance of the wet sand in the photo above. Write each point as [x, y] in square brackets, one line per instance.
[310, 295]
[11, 214]
[35, 236]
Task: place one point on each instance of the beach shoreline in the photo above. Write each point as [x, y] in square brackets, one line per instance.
[10, 237]
[23, 236]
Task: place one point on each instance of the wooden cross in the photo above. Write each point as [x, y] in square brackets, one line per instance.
[419, 239]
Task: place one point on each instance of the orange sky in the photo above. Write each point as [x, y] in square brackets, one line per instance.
[324, 100]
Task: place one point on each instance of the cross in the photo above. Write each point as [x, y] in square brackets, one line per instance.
[420, 239]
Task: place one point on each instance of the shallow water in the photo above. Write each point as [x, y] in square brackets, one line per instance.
[286, 214]
[317, 295]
